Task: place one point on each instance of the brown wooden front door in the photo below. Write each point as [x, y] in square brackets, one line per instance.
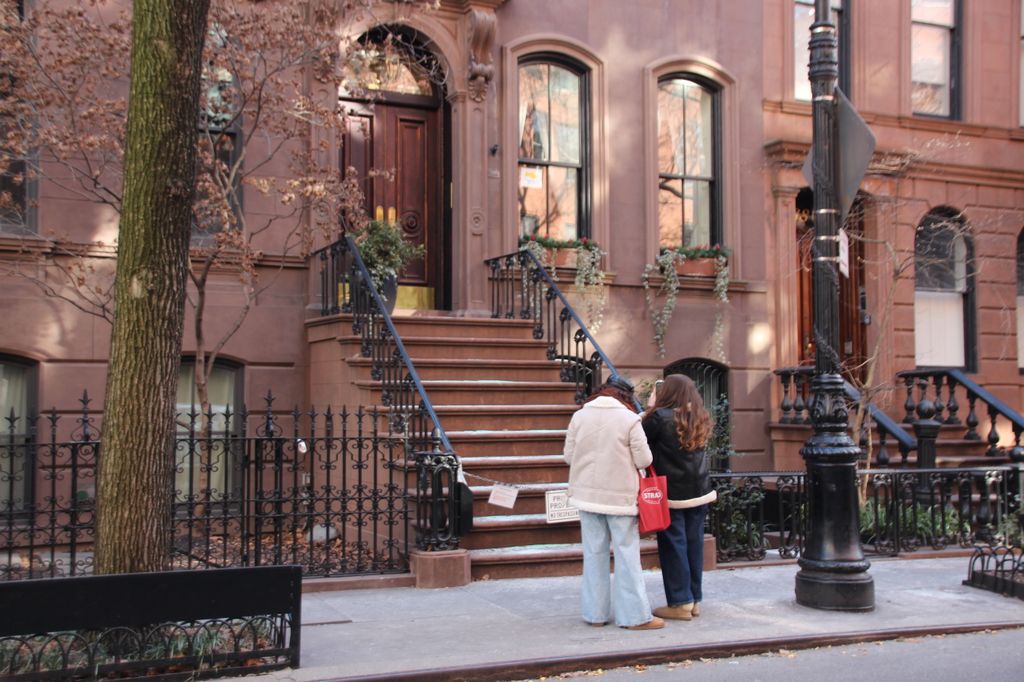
[852, 337]
[398, 149]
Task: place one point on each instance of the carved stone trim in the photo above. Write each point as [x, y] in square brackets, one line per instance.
[482, 27]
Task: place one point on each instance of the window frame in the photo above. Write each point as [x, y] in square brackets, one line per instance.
[955, 59]
[216, 133]
[715, 229]
[843, 33]
[584, 185]
[27, 225]
[232, 468]
[932, 221]
[29, 434]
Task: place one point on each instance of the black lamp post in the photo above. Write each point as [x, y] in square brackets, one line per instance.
[833, 572]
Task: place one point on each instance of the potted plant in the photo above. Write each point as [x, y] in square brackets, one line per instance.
[385, 251]
[671, 265]
[585, 256]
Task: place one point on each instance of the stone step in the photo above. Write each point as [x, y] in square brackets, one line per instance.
[517, 469]
[419, 324]
[482, 370]
[462, 347]
[491, 443]
[519, 529]
[543, 560]
[529, 498]
[491, 392]
[504, 417]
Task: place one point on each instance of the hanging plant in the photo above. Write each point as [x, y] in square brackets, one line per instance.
[668, 264]
[590, 279]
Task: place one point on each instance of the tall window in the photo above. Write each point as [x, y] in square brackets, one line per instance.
[204, 467]
[219, 192]
[803, 17]
[554, 170]
[935, 57]
[1020, 93]
[1020, 300]
[687, 163]
[17, 384]
[14, 197]
[943, 292]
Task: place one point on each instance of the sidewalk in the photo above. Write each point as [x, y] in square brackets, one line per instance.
[514, 629]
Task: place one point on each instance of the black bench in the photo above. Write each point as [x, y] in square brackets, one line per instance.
[175, 624]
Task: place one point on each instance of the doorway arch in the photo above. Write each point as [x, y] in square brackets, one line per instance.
[396, 136]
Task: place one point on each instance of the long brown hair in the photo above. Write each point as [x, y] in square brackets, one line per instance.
[693, 423]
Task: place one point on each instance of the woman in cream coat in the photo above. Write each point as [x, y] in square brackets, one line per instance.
[604, 446]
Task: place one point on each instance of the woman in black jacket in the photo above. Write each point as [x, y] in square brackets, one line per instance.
[678, 428]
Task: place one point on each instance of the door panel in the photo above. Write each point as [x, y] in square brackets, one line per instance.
[852, 337]
[403, 144]
[357, 148]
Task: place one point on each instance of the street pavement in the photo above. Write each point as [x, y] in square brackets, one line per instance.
[993, 656]
[528, 628]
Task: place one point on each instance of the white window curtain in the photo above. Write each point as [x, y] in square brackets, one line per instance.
[202, 466]
[940, 288]
[939, 328]
[13, 399]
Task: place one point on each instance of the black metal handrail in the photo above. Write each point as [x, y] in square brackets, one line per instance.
[347, 286]
[944, 382]
[522, 288]
[795, 407]
[887, 426]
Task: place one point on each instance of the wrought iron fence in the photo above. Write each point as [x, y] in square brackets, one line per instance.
[332, 491]
[758, 515]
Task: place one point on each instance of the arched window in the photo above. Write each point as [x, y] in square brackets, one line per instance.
[17, 412]
[688, 163]
[1020, 299]
[554, 152]
[712, 381]
[205, 463]
[943, 291]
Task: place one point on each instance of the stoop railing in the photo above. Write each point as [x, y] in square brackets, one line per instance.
[522, 288]
[347, 287]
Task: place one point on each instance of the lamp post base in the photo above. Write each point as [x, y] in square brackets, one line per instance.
[835, 591]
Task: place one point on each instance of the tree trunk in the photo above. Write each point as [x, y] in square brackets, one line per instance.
[136, 461]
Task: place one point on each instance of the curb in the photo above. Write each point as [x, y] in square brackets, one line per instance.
[525, 669]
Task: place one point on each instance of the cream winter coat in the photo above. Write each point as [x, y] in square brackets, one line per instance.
[604, 447]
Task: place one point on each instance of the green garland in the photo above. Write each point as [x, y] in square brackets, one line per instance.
[550, 243]
[665, 264]
[590, 278]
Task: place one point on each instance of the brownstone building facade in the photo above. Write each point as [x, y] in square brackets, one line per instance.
[638, 125]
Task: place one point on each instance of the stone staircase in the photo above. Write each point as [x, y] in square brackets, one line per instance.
[505, 411]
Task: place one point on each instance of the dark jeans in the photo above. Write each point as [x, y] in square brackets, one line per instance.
[681, 552]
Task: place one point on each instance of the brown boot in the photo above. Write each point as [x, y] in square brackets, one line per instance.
[677, 612]
[654, 623]
[696, 609]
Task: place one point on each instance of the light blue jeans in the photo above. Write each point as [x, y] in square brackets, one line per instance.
[621, 533]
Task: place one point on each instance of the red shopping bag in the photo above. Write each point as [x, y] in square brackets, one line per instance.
[652, 501]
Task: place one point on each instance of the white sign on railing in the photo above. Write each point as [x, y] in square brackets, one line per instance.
[556, 504]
